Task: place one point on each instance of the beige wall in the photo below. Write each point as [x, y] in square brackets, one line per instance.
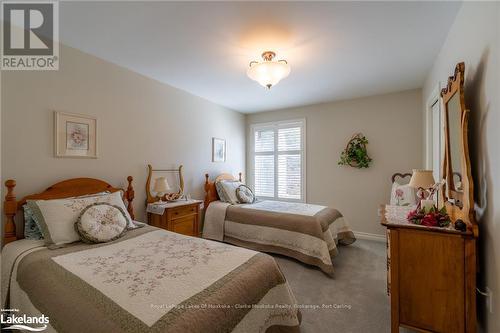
[474, 39]
[140, 121]
[393, 125]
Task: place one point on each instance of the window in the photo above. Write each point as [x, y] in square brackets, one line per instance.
[278, 157]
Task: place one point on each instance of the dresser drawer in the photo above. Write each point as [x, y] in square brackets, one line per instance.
[182, 211]
[185, 225]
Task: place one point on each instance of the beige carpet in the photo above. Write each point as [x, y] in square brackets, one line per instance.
[356, 295]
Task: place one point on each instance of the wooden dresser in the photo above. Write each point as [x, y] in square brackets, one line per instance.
[181, 217]
[432, 278]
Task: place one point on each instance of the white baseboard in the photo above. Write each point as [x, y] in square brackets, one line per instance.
[368, 236]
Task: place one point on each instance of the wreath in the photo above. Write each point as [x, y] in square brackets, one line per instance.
[355, 153]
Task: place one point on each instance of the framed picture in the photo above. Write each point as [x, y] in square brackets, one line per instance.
[75, 135]
[218, 150]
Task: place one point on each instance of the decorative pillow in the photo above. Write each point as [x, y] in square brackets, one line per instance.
[32, 228]
[403, 195]
[57, 217]
[227, 190]
[245, 194]
[101, 222]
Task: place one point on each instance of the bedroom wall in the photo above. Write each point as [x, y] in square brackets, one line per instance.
[140, 121]
[393, 125]
[475, 38]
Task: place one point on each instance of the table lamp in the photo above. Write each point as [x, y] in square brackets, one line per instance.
[161, 187]
[423, 180]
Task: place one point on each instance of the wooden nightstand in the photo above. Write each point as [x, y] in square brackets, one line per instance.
[178, 216]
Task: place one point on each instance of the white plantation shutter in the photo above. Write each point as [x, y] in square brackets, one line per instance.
[278, 160]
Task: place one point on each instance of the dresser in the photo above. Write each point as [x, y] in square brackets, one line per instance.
[431, 277]
[179, 216]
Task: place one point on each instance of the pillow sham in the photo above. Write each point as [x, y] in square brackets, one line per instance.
[31, 226]
[57, 217]
[245, 194]
[227, 190]
[101, 222]
[403, 195]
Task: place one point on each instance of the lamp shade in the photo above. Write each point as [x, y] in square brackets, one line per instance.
[422, 179]
[161, 185]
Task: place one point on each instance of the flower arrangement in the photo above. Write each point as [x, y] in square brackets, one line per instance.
[430, 218]
[355, 153]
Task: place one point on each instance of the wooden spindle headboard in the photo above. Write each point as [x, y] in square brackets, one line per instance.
[65, 189]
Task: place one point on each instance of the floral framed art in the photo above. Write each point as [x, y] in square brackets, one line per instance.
[218, 150]
[75, 135]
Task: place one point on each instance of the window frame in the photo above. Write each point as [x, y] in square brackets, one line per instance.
[275, 125]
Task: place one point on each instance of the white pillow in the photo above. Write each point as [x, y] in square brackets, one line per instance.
[403, 195]
[57, 217]
[101, 222]
[228, 189]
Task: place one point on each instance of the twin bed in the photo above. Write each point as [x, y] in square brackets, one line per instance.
[308, 233]
[149, 280]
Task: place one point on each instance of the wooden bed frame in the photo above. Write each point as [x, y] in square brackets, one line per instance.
[67, 188]
[210, 190]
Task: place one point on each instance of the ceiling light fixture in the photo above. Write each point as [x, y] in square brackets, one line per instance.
[268, 72]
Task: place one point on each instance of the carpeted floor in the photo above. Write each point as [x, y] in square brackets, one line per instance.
[356, 294]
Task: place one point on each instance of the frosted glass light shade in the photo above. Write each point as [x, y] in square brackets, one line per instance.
[268, 73]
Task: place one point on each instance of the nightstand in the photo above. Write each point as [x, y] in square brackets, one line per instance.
[432, 275]
[177, 216]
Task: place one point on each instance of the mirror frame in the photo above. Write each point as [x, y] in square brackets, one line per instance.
[466, 211]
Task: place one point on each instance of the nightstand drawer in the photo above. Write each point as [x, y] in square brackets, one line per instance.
[185, 225]
[182, 211]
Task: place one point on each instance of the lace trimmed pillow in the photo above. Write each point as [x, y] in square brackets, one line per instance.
[101, 222]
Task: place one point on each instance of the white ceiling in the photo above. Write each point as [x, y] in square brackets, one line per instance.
[336, 50]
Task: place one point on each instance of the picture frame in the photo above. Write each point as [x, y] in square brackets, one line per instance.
[218, 150]
[75, 135]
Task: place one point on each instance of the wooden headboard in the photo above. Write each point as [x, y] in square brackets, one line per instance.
[210, 191]
[65, 189]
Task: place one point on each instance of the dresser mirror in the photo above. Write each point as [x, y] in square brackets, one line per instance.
[454, 113]
[457, 194]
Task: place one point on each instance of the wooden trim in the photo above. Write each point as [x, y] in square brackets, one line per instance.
[130, 195]
[64, 189]
[394, 239]
[466, 212]
[470, 285]
[10, 208]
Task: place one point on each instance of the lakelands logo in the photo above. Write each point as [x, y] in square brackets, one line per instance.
[11, 321]
[30, 35]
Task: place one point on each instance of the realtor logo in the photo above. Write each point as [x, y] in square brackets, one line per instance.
[30, 35]
[11, 319]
